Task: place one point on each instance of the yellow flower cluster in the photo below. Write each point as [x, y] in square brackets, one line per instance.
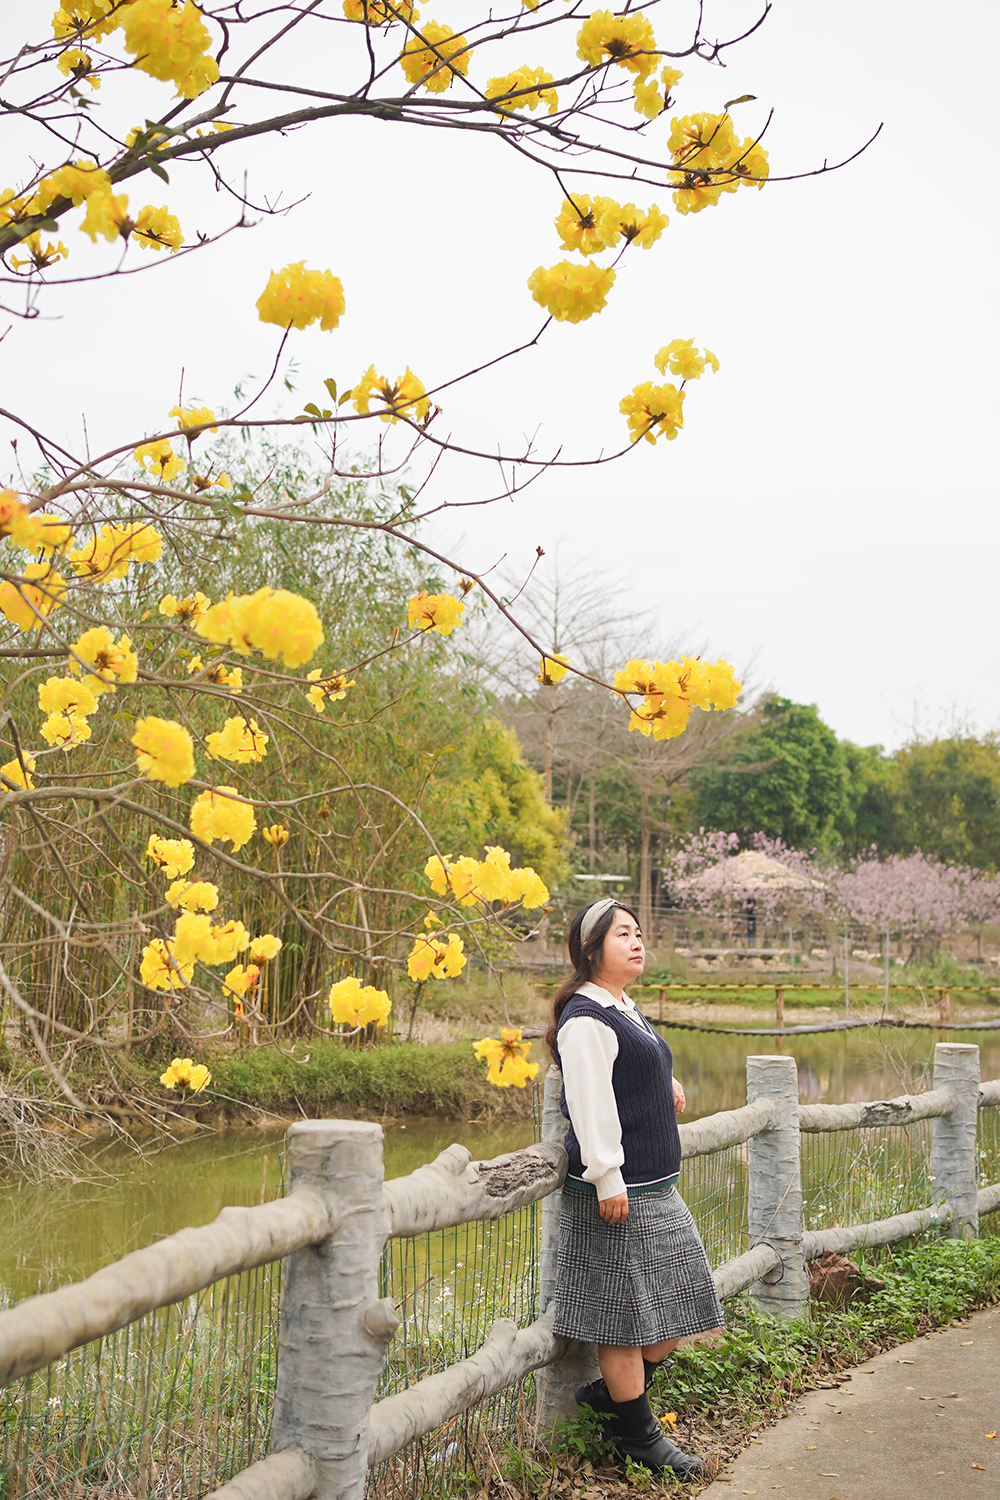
[91, 18]
[19, 774]
[265, 947]
[219, 675]
[381, 12]
[295, 298]
[157, 229]
[627, 42]
[354, 1004]
[193, 895]
[196, 939]
[239, 981]
[440, 612]
[68, 704]
[41, 254]
[681, 358]
[105, 660]
[571, 293]
[29, 602]
[185, 610]
[33, 531]
[276, 834]
[672, 689]
[435, 958]
[653, 411]
[109, 552]
[652, 97]
[161, 969]
[507, 1059]
[433, 56]
[334, 688]
[552, 669]
[709, 160]
[185, 1074]
[170, 42]
[160, 460]
[491, 879]
[273, 622]
[193, 420]
[222, 814]
[173, 857]
[102, 662]
[525, 88]
[404, 397]
[241, 741]
[164, 751]
[591, 225]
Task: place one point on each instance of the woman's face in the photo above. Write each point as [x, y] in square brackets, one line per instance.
[624, 954]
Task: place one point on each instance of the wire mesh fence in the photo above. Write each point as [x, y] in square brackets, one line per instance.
[170, 1405]
[988, 1145]
[714, 1188]
[855, 1176]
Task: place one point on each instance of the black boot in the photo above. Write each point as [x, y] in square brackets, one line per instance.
[643, 1440]
[650, 1367]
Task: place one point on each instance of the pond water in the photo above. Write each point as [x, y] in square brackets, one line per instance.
[65, 1230]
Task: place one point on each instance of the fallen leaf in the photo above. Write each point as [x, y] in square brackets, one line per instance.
[906, 1361]
[871, 1431]
[965, 1343]
[810, 1447]
[828, 1474]
[749, 1492]
[977, 1466]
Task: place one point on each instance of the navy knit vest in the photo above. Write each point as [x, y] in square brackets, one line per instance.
[642, 1078]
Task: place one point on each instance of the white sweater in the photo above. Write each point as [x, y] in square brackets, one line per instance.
[588, 1050]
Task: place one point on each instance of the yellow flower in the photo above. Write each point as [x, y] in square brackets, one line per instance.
[432, 920]
[695, 191]
[642, 229]
[241, 979]
[28, 603]
[440, 612]
[186, 610]
[271, 621]
[334, 688]
[507, 1059]
[264, 948]
[159, 459]
[433, 56]
[219, 675]
[571, 293]
[108, 554]
[170, 44]
[36, 531]
[157, 229]
[494, 875]
[671, 689]
[242, 741]
[552, 669]
[67, 695]
[19, 774]
[749, 163]
[41, 256]
[625, 40]
[77, 64]
[647, 677]
[63, 731]
[295, 297]
[354, 1004]
[276, 835]
[435, 958]
[652, 98]
[185, 1074]
[165, 751]
[193, 417]
[702, 142]
[110, 663]
[222, 814]
[589, 225]
[463, 877]
[525, 88]
[653, 410]
[681, 358]
[161, 969]
[172, 857]
[405, 397]
[193, 895]
[381, 12]
[196, 940]
[526, 885]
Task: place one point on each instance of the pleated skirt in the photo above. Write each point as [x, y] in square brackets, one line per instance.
[639, 1282]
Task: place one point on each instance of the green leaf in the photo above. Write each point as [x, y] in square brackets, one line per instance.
[346, 396]
[313, 409]
[743, 99]
[158, 171]
[331, 387]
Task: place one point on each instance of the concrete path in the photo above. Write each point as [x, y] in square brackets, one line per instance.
[911, 1424]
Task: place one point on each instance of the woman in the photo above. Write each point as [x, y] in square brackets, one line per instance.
[633, 1277]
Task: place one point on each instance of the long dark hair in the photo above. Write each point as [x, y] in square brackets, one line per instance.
[586, 960]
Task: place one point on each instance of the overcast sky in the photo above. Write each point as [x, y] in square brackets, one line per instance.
[828, 510]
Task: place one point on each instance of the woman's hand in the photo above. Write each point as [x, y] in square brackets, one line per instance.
[614, 1210]
[679, 1100]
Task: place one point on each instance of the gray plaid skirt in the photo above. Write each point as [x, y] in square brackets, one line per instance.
[635, 1283]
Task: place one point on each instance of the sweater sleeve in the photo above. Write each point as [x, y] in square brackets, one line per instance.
[588, 1050]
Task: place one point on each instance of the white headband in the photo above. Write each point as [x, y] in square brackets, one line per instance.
[593, 915]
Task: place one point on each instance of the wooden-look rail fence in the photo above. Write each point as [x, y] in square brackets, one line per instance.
[331, 1227]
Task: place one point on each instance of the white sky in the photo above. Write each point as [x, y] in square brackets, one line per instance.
[828, 508]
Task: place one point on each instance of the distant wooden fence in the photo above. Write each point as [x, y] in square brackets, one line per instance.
[333, 1224]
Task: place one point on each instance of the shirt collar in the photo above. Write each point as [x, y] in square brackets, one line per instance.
[604, 997]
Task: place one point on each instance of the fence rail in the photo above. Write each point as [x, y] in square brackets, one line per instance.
[332, 1228]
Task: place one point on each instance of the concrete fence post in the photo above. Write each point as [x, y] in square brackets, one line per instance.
[333, 1328]
[556, 1383]
[954, 1159]
[774, 1206]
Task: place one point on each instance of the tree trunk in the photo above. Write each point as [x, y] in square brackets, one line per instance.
[550, 709]
[645, 883]
[593, 829]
